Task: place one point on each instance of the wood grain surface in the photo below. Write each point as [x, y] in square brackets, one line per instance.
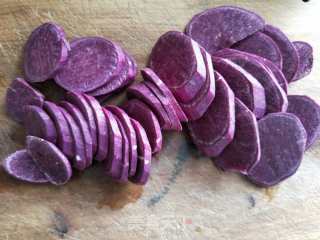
[186, 197]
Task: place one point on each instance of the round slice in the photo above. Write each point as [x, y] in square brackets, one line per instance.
[91, 64]
[21, 166]
[50, 160]
[215, 129]
[45, 52]
[38, 123]
[221, 27]
[305, 53]
[283, 140]
[142, 113]
[144, 155]
[19, 95]
[132, 73]
[308, 111]
[244, 151]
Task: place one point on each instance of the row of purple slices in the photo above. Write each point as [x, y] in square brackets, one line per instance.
[226, 76]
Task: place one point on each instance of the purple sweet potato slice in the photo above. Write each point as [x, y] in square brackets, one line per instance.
[308, 111]
[19, 95]
[81, 103]
[50, 160]
[38, 123]
[243, 84]
[143, 114]
[102, 128]
[305, 54]
[149, 75]
[132, 65]
[261, 45]
[199, 105]
[143, 93]
[114, 159]
[64, 135]
[289, 54]
[221, 27]
[84, 128]
[215, 129]
[178, 61]
[20, 165]
[144, 155]
[282, 139]
[91, 64]
[45, 52]
[244, 151]
[78, 158]
[174, 120]
[131, 135]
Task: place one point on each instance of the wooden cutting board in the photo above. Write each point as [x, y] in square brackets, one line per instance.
[186, 197]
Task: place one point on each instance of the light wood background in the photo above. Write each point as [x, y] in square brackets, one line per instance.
[186, 197]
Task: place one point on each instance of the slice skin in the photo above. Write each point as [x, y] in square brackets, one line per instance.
[38, 123]
[144, 155]
[19, 95]
[305, 54]
[50, 160]
[283, 140]
[308, 111]
[21, 166]
[243, 152]
[215, 129]
[221, 27]
[45, 52]
[142, 113]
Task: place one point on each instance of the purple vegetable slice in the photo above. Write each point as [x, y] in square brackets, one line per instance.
[215, 129]
[305, 54]
[143, 114]
[64, 135]
[177, 60]
[45, 52]
[261, 45]
[221, 27]
[38, 123]
[244, 151]
[102, 128]
[131, 135]
[289, 53]
[308, 111]
[91, 64]
[132, 65]
[50, 160]
[19, 95]
[149, 75]
[21, 166]
[144, 155]
[283, 140]
[243, 84]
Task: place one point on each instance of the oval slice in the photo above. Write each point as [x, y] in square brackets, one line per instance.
[45, 52]
[215, 129]
[221, 27]
[243, 152]
[50, 160]
[20, 165]
[305, 54]
[283, 140]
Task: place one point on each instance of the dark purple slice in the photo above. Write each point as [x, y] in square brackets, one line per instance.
[305, 54]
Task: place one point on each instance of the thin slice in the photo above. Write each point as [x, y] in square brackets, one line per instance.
[50, 160]
[20, 165]
[243, 152]
[19, 95]
[305, 53]
[308, 111]
[38, 123]
[45, 52]
[221, 27]
[144, 155]
[243, 84]
[132, 73]
[143, 114]
[215, 129]
[283, 139]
